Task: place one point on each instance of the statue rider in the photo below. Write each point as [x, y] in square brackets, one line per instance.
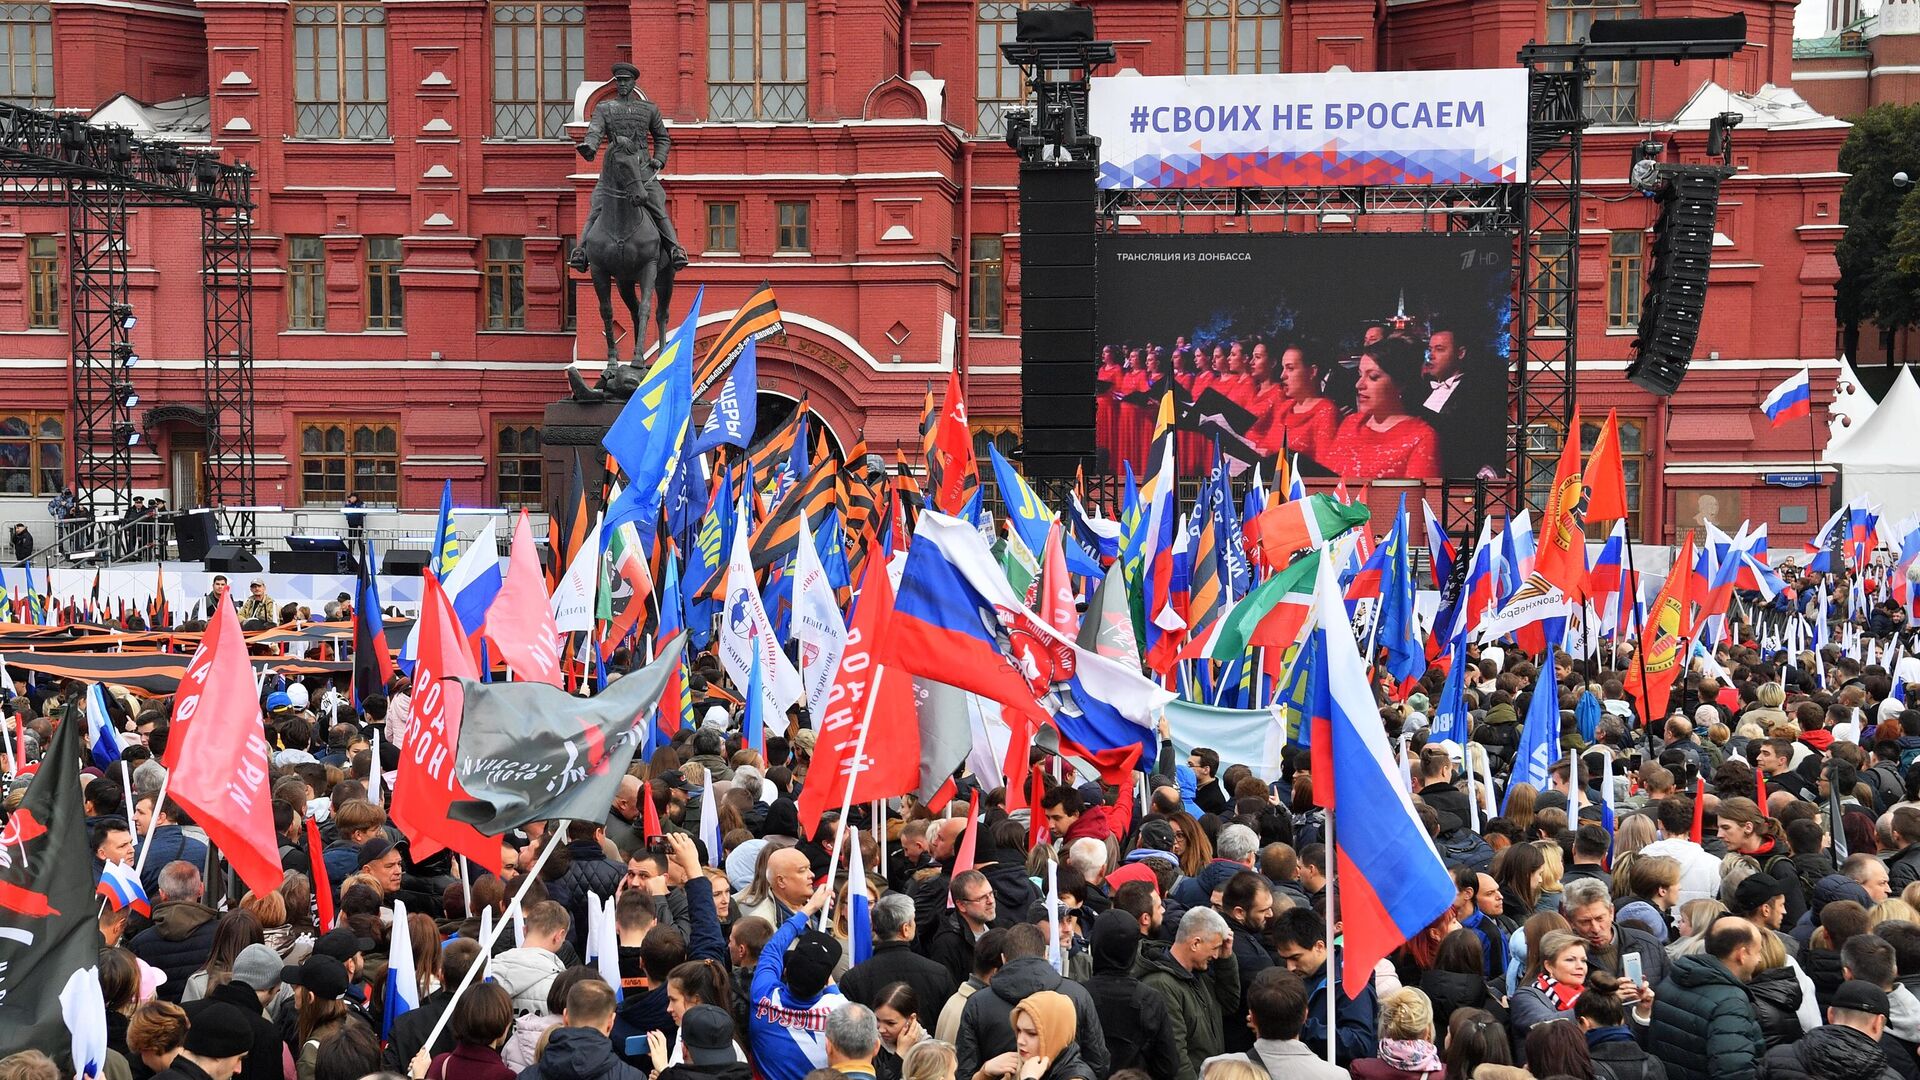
[629, 121]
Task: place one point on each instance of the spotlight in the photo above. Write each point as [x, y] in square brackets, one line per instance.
[124, 314]
[206, 169]
[124, 355]
[73, 135]
[122, 150]
[125, 434]
[1902, 180]
[125, 394]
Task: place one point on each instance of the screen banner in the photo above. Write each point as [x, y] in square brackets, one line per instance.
[1329, 129]
[1367, 356]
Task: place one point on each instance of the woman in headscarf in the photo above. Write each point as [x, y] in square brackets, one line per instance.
[1044, 1048]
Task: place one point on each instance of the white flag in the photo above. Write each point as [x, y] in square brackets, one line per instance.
[817, 623]
[85, 1010]
[745, 627]
[574, 597]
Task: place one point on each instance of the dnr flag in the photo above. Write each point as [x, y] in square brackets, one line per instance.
[757, 317]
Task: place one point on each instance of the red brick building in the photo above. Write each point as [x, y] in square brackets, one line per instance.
[417, 192]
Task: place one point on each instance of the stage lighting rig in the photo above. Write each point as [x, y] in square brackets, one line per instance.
[1057, 53]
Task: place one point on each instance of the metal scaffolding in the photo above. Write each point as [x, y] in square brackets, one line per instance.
[98, 174]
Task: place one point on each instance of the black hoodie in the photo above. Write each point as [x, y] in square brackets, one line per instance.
[1139, 1035]
[580, 1054]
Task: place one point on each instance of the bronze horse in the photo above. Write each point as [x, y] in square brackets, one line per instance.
[623, 249]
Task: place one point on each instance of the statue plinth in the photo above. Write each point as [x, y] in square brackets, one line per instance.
[573, 428]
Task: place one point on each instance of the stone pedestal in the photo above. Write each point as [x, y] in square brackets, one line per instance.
[576, 428]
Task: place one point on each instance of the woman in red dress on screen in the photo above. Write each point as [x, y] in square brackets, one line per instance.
[1133, 421]
[1106, 408]
[1384, 439]
[1301, 420]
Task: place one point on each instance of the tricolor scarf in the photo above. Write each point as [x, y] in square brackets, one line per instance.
[1560, 992]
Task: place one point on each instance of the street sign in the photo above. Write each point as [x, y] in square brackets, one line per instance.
[1792, 479]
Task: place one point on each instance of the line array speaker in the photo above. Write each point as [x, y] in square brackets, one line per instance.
[1057, 345]
[1677, 277]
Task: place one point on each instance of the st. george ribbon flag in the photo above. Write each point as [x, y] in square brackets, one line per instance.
[529, 751]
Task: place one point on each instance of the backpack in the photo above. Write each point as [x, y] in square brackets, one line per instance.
[1889, 786]
[1464, 847]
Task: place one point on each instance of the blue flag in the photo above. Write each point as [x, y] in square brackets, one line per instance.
[446, 547]
[1399, 628]
[753, 724]
[647, 437]
[736, 411]
[1540, 735]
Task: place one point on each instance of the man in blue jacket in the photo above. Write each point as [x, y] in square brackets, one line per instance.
[168, 839]
[1300, 940]
[792, 996]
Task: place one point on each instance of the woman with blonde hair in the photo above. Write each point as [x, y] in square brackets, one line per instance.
[1892, 909]
[1629, 837]
[1555, 979]
[1519, 808]
[1690, 923]
[929, 1059]
[1525, 946]
[1406, 1049]
[1552, 866]
[1227, 1068]
[1776, 994]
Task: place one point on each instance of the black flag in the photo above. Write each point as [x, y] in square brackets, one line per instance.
[533, 752]
[47, 927]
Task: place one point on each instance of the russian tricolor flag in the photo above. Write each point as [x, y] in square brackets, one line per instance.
[121, 886]
[1792, 398]
[1389, 881]
[105, 746]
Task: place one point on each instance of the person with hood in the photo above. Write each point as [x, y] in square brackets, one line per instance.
[1071, 817]
[526, 972]
[706, 1048]
[1499, 730]
[181, 936]
[580, 1048]
[986, 1021]
[1199, 978]
[792, 996]
[1044, 1044]
[1846, 1047]
[1703, 1025]
[1233, 852]
[1653, 886]
[1610, 1043]
[1139, 1034]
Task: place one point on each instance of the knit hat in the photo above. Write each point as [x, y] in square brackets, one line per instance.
[1133, 871]
[1053, 1017]
[221, 1030]
[1114, 940]
[810, 963]
[258, 966]
[716, 719]
[1755, 892]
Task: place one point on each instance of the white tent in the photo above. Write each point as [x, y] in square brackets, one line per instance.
[1877, 461]
[1851, 406]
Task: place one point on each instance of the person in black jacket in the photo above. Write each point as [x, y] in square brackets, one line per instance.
[986, 1024]
[1846, 1047]
[1247, 902]
[256, 977]
[1610, 1043]
[956, 931]
[410, 1030]
[894, 960]
[590, 875]
[1133, 1017]
[581, 1049]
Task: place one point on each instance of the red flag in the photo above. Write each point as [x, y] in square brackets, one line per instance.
[1650, 675]
[426, 784]
[649, 815]
[322, 886]
[1561, 554]
[1699, 809]
[1019, 754]
[1037, 827]
[520, 622]
[1760, 788]
[864, 697]
[1606, 478]
[969, 841]
[217, 727]
[953, 448]
[1057, 606]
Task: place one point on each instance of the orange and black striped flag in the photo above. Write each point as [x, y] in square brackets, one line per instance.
[779, 535]
[567, 531]
[861, 507]
[929, 427]
[757, 317]
[764, 459]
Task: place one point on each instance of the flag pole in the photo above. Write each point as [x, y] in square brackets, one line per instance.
[1640, 643]
[153, 821]
[846, 799]
[1333, 954]
[554, 840]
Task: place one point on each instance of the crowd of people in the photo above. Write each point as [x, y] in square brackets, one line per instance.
[1401, 408]
[1732, 894]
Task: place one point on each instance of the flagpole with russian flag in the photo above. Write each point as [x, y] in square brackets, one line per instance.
[1794, 398]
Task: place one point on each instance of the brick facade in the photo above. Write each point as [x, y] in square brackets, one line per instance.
[895, 188]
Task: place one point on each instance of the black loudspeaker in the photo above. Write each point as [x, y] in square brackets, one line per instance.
[1731, 30]
[405, 562]
[1057, 343]
[309, 562]
[231, 559]
[1677, 276]
[194, 533]
[1067, 24]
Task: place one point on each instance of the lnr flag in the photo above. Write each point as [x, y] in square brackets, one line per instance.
[47, 906]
